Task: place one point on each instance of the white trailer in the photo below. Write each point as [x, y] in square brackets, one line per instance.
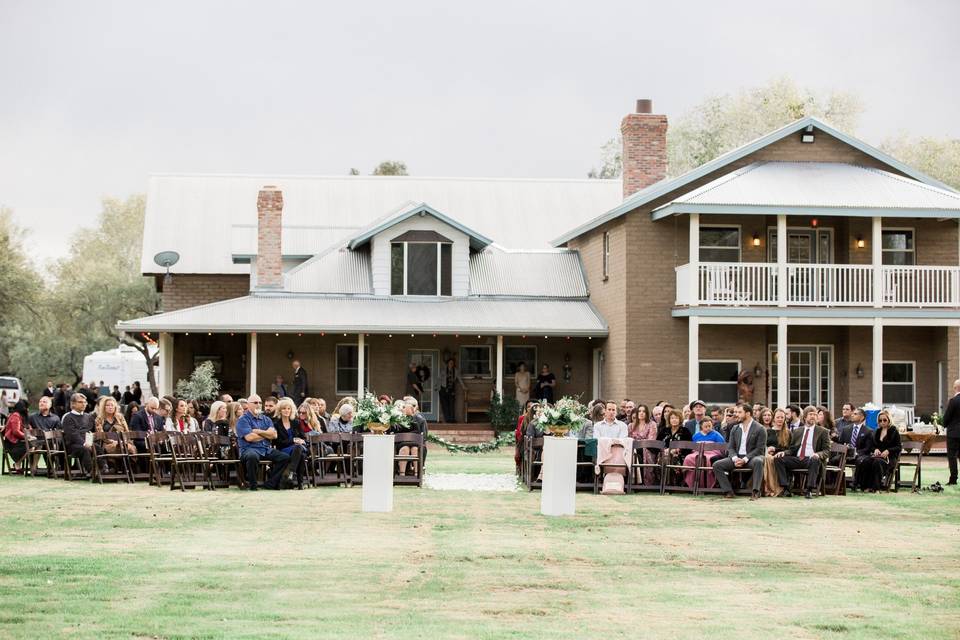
[120, 366]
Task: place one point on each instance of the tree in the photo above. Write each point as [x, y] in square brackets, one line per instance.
[20, 290]
[723, 122]
[939, 159]
[202, 385]
[391, 168]
[354, 171]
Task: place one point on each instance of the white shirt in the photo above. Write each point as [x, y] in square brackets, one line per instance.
[808, 434]
[604, 429]
[745, 431]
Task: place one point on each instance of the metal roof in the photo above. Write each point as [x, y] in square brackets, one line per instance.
[531, 273]
[189, 213]
[369, 314]
[337, 270]
[668, 185]
[814, 185]
[296, 241]
[477, 241]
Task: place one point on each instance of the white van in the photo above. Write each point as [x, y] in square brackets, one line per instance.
[12, 388]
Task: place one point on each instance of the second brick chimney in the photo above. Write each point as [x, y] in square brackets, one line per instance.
[644, 148]
[269, 257]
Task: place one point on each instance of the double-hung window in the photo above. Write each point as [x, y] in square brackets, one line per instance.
[720, 244]
[421, 263]
[898, 247]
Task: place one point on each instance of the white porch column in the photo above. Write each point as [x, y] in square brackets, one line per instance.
[500, 367]
[783, 364]
[876, 251]
[252, 383]
[877, 369]
[694, 260]
[693, 358]
[781, 261]
[165, 382]
[361, 347]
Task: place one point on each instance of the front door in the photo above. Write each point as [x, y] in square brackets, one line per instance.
[810, 371]
[428, 359]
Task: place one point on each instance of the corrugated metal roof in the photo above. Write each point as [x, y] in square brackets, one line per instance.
[538, 273]
[820, 184]
[186, 212]
[353, 314]
[296, 241]
[335, 271]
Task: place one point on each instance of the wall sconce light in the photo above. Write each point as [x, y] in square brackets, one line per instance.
[814, 222]
[861, 243]
[757, 371]
[756, 239]
[859, 370]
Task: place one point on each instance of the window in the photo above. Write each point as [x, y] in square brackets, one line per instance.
[513, 355]
[347, 369]
[897, 246]
[899, 383]
[421, 268]
[720, 244]
[475, 361]
[606, 255]
[718, 381]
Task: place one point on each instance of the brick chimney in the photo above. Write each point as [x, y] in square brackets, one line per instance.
[644, 148]
[269, 259]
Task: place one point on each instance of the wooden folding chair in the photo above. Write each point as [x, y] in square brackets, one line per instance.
[673, 467]
[55, 455]
[139, 462]
[704, 466]
[327, 468]
[353, 442]
[189, 466]
[837, 465]
[36, 450]
[408, 440]
[913, 451]
[798, 478]
[639, 464]
[534, 457]
[103, 459]
[158, 444]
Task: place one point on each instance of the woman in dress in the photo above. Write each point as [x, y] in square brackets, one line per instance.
[546, 381]
[290, 438]
[778, 440]
[644, 427]
[872, 472]
[673, 431]
[522, 379]
[107, 418]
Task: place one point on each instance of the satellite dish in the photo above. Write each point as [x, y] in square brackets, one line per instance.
[166, 259]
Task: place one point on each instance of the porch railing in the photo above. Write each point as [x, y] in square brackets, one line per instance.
[822, 285]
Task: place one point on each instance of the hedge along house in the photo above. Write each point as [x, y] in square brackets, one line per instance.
[356, 277]
[807, 264]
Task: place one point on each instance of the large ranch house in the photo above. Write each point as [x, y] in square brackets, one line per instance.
[805, 266]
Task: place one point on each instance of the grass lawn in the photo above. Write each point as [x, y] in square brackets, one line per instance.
[117, 561]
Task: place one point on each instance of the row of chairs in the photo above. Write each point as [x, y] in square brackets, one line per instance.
[208, 460]
[665, 461]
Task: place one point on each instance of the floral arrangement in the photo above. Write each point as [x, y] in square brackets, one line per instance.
[566, 414]
[369, 412]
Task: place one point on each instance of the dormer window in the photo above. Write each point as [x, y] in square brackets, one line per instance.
[420, 264]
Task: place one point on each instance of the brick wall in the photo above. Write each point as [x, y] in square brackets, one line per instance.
[644, 150]
[269, 262]
[190, 290]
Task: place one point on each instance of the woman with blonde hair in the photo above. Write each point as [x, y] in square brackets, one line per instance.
[308, 418]
[107, 417]
[778, 439]
[234, 411]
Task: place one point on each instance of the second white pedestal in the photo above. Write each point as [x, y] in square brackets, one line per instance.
[558, 496]
[377, 473]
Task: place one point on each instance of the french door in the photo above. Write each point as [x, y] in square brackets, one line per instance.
[428, 358]
[810, 372]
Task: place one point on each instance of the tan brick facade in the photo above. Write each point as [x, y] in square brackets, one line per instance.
[644, 151]
[190, 290]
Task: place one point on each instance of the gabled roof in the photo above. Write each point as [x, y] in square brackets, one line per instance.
[815, 188]
[663, 187]
[477, 241]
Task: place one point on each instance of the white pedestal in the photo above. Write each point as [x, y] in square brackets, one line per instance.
[377, 473]
[558, 497]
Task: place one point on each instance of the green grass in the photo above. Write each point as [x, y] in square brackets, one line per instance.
[117, 561]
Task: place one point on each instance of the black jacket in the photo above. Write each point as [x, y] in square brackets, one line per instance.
[285, 438]
[75, 429]
[45, 423]
[300, 386]
[951, 417]
[756, 441]
[140, 421]
[864, 446]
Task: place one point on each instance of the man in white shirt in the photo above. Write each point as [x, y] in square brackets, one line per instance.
[609, 427]
[809, 449]
[746, 447]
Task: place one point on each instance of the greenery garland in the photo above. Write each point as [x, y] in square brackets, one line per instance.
[504, 439]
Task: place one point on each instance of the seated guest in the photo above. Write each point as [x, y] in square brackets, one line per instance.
[234, 412]
[745, 449]
[418, 424]
[778, 440]
[872, 473]
[730, 420]
[270, 407]
[76, 426]
[609, 426]
[217, 421]
[793, 417]
[320, 408]
[698, 411]
[308, 419]
[342, 420]
[525, 418]
[129, 411]
[148, 419]
[809, 449]
[44, 419]
[290, 437]
[255, 432]
[643, 427]
[107, 418]
[756, 411]
[14, 438]
[704, 434]
[181, 421]
[766, 418]
[825, 420]
[343, 401]
[858, 437]
[687, 413]
[673, 431]
[846, 417]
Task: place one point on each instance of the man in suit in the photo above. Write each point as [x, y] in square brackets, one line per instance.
[857, 436]
[300, 388]
[951, 422]
[49, 390]
[809, 449]
[745, 449]
[148, 419]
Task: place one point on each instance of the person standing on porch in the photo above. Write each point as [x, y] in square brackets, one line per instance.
[300, 386]
[546, 381]
[414, 383]
[522, 380]
[448, 392]
[951, 422]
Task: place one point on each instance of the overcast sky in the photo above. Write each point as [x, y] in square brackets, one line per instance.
[95, 96]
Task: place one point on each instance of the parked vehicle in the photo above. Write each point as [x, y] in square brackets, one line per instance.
[13, 388]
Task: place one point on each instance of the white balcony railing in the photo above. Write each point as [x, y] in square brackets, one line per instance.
[821, 285]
